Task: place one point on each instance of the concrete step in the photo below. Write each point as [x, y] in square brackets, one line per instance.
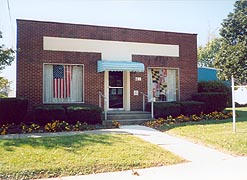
[127, 112]
[127, 121]
[127, 117]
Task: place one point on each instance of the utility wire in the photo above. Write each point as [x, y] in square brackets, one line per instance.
[11, 25]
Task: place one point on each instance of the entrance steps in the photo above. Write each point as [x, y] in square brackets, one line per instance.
[127, 117]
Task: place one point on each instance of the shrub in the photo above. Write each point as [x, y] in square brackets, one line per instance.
[88, 113]
[84, 113]
[191, 107]
[212, 86]
[12, 110]
[214, 101]
[164, 109]
[48, 113]
[215, 86]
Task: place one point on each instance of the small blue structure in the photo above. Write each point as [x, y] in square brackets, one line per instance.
[207, 74]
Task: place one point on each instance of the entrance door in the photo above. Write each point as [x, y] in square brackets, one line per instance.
[115, 90]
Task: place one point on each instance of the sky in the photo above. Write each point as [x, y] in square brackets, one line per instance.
[201, 17]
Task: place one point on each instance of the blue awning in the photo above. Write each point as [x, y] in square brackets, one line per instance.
[120, 66]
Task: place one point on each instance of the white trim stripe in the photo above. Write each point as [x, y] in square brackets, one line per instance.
[111, 50]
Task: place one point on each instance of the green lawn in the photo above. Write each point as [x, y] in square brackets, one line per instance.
[218, 134]
[76, 155]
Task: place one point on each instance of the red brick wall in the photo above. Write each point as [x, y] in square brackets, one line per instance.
[31, 56]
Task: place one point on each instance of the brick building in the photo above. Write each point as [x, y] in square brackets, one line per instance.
[72, 63]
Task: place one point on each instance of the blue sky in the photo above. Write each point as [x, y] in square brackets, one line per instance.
[203, 17]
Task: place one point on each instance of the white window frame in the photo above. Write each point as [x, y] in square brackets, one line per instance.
[150, 96]
[76, 102]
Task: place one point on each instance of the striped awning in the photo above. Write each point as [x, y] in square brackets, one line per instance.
[120, 66]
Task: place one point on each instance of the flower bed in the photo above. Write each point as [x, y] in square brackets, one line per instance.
[60, 126]
[54, 126]
[193, 118]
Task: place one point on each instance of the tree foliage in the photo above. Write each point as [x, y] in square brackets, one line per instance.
[232, 56]
[4, 87]
[6, 58]
[206, 55]
[6, 55]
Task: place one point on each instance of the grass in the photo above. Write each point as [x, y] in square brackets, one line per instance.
[218, 134]
[78, 155]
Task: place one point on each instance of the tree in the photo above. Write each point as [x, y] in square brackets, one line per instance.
[6, 55]
[206, 55]
[232, 56]
[6, 58]
[4, 87]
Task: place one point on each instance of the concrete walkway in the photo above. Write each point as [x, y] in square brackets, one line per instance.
[205, 163]
[234, 169]
[183, 148]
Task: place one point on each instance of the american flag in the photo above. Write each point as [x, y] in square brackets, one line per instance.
[62, 76]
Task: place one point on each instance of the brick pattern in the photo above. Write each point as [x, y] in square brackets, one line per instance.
[31, 56]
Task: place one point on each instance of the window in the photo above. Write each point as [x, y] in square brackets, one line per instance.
[63, 83]
[163, 84]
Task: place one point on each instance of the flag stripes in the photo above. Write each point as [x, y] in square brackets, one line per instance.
[62, 76]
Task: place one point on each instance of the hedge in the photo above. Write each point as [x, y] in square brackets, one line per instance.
[12, 110]
[164, 109]
[47, 113]
[87, 113]
[191, 107]
[214, 101]
[187, 108]
[71, 113]
[213, 86]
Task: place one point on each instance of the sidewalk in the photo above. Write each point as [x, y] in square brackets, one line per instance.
[188, 150]
[206, 163]
[222, 170]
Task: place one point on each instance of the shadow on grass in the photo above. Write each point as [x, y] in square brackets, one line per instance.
[242, 117]
[65, 142]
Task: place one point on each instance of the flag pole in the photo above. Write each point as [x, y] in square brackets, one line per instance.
[233, 107]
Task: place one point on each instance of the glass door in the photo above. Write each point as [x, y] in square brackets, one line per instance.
[115, 90]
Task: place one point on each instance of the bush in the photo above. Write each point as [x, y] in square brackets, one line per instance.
[84, 113]
[215, 86]
[12, 110]
[214, 101]
[70, 113]
[47, 113]
[191, 107]
[212, 86]
[164, 109]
